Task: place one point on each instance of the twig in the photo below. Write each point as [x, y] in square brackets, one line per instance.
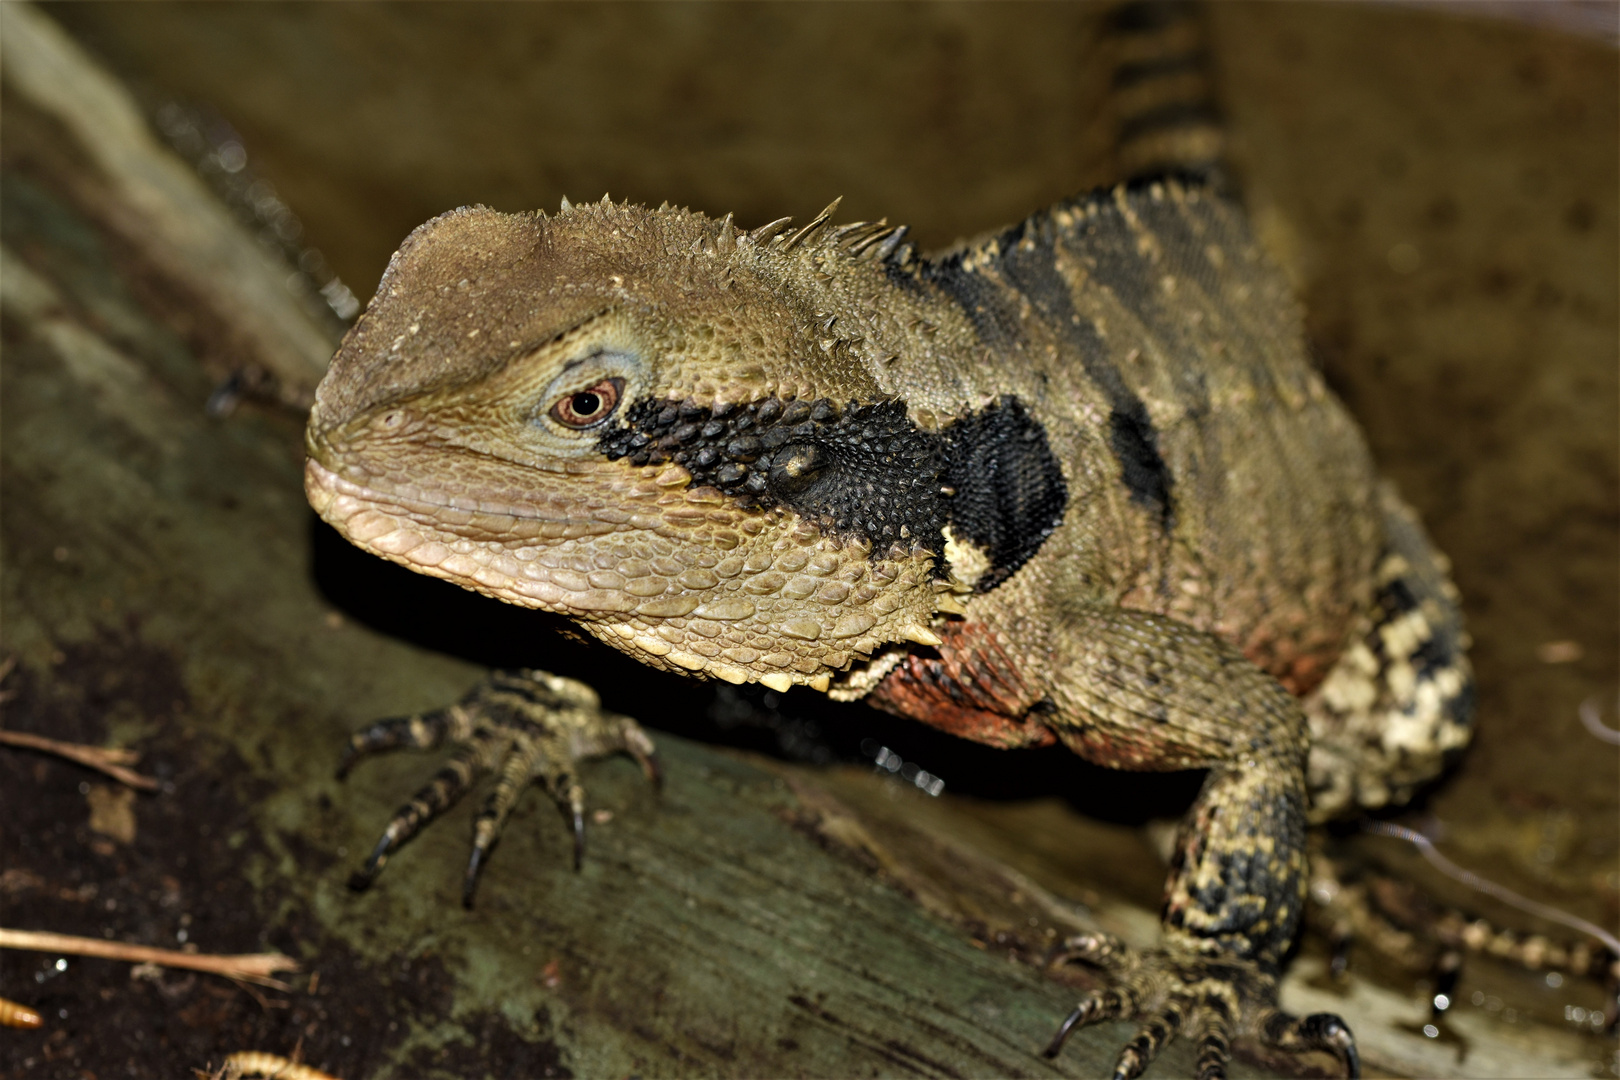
[248, 967]
[264, 1002]
[109, 760]
[245, 1063]
[1592, 718]
[1491, 888]
[14, 1014]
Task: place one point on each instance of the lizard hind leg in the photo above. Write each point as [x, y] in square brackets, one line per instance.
[523, 726]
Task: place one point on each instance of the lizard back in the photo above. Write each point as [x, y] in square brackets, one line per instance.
[1211, 475]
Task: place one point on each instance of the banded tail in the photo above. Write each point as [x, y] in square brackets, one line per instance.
[1162, 96]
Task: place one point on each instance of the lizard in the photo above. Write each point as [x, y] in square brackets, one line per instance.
[1073, 482]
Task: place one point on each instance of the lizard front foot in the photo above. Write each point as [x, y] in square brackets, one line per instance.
[521, 725]
[1174, 989]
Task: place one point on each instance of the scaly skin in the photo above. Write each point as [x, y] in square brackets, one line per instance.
[1076, 482]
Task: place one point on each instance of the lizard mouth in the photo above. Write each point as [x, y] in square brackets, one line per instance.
[330, 494]
[486, 549]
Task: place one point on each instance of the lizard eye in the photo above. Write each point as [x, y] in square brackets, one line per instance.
[589, 407]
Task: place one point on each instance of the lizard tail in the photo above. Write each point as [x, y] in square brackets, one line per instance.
[1162, 96]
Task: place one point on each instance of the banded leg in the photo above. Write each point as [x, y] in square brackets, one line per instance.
[521, 725]
[1157, 1030]
[1140, 990]
[448, 785]
[519, 766]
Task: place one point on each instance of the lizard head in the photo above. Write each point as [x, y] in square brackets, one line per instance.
[639, 420]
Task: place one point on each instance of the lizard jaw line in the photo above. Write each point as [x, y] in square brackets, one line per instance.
[393, 528]
[324, 487]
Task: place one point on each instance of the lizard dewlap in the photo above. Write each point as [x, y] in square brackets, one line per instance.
[1077, 482]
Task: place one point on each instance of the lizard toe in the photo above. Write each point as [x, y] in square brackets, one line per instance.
[1095, 949]
[1107, 1005]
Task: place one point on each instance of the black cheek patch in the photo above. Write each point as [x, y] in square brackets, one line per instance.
[1009, 487]
[866, 471]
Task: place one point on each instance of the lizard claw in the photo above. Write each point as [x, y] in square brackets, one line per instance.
[1318, 1031]
[361, 879]
[521, 725]
[1096, 1007]
[469, 881]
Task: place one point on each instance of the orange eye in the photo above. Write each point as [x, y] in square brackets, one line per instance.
[588, 407]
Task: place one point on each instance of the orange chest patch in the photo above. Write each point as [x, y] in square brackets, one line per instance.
[969, 687]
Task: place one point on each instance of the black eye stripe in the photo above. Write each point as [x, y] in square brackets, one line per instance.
[865, 470]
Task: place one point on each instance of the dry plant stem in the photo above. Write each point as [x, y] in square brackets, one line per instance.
[108, 760]
[13, 1014]
[1592, 719]
[1490, 888]
[246, 1063]
[248, 967]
